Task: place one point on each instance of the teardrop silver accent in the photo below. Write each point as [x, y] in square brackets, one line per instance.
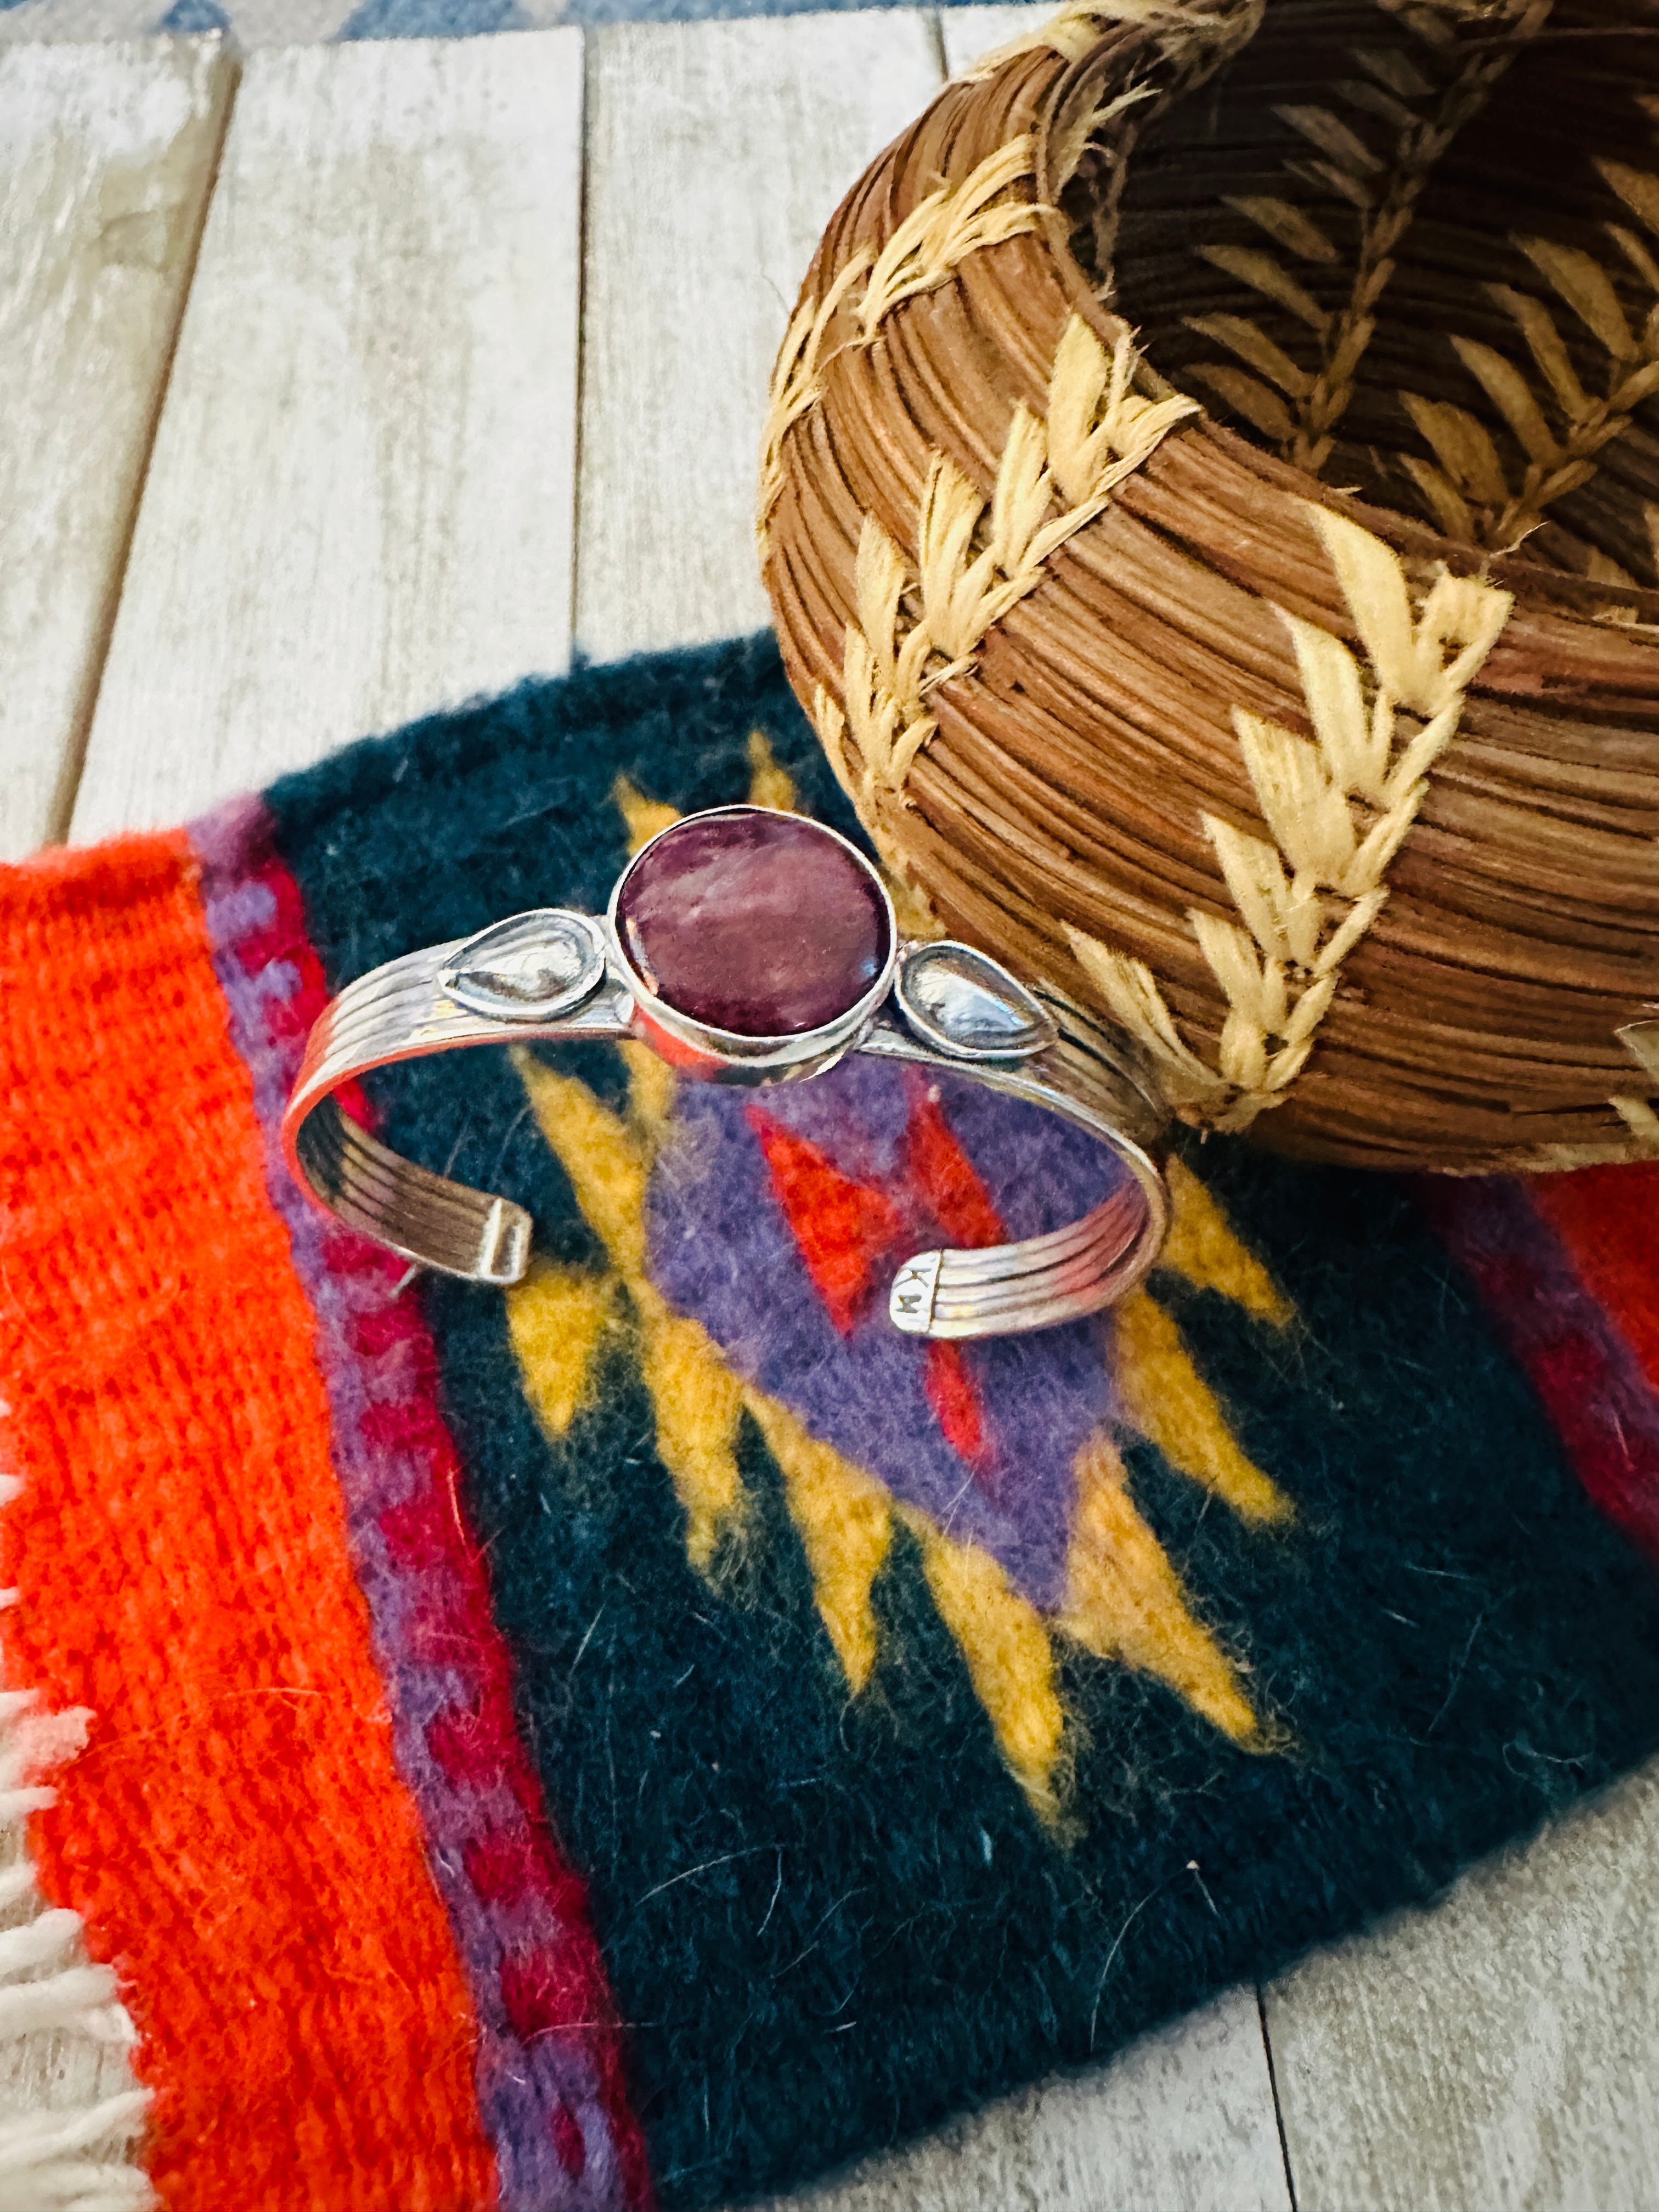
[963, 1004]
[533, 967]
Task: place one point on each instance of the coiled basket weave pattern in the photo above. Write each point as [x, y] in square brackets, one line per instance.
[1210, 503]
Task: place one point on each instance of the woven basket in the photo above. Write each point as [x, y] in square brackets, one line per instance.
[1210, 503]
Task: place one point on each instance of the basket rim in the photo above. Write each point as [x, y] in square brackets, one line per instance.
[1575, 597]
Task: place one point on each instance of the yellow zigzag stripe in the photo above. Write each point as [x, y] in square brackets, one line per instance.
[1201, 1246]
[769, 784]
[1124, 1601]
[846, 1528]
[651, 1084]
[1009, 1655]
[556, 1318]
[1165, 1396]
[698, 1399]
[644, 817]
[608, 1168]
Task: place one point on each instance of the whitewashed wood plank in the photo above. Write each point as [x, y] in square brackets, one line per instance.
[360, 505]
[970, 33]
[288, 22]
[718, 152]
[536, 14]
[1183, 2121]
[106, 154]
[1497, 2052]
[78, 22]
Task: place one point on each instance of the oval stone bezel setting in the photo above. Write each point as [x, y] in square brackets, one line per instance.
[946, 991]
[482, 976]
[787, 1052]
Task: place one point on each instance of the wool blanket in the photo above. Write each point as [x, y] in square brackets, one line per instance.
[653, 1734]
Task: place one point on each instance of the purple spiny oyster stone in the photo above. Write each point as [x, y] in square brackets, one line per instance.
[760, 924]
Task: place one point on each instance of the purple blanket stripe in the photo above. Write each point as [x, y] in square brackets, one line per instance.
[721, 1249]
[537, 2089]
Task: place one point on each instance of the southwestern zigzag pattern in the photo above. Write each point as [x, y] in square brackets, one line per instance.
[653, 1735]
[751, 1237]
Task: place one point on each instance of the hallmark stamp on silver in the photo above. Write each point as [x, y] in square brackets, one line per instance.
[910, 1306]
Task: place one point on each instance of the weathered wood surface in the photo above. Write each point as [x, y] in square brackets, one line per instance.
[341, 526]
[74, 22]
[360, 502]
[107, 154]
[1501, 2050]
[1183, 2122]
[288, 22]
[969, 34]
[716, 153]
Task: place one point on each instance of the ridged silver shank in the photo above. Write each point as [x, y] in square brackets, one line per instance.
[403, 1012]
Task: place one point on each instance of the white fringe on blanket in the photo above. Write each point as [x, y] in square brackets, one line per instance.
[71, 2109]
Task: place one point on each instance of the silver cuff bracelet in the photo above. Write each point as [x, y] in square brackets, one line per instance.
[742, 946]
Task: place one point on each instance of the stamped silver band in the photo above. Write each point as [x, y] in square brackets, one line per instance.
[557, 975]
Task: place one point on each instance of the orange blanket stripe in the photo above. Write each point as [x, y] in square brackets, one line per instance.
[236, 1835]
